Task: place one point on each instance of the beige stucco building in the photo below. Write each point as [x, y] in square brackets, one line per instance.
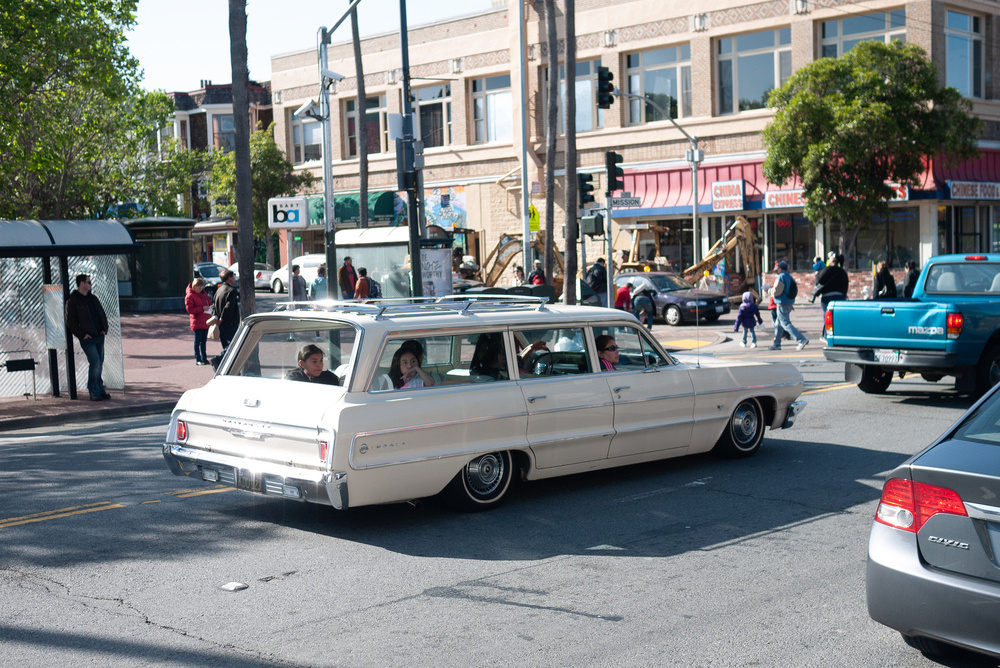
[711, 64]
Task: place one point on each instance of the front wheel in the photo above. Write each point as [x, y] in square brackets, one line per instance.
[744, 431]
[672, 315]
[482, 484]
[874, 379]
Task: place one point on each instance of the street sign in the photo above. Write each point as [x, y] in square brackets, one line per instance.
[288, 213]
[625, 202]
[533, 222]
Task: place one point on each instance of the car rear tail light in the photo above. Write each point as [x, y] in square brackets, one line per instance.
[954, 324]
[828, 321]
[324, 450]
[907, 505]
[259, 274]
[182, 431]
[978, 258]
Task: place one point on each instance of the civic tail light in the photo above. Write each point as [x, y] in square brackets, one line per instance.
[182, 431]
[907, 505]
[324, 450]
[828, 321]
[259, 274]
[954, 325]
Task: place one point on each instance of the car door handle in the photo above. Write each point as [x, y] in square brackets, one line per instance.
[532, 400]
[618, 390]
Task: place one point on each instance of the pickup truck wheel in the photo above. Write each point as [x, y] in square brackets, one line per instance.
[672, 315]
[988, 370]
[744, 431]
[874, 379]
[482, 484]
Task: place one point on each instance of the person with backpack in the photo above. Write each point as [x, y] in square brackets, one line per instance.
[361, 288]
[784, 292]
[597, 279]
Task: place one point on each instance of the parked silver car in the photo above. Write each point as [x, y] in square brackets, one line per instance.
[262, 273]
[934, 550]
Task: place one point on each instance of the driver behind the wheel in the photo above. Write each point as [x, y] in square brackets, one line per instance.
[525, 361]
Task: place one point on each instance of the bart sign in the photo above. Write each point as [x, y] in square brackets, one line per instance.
[287, 213]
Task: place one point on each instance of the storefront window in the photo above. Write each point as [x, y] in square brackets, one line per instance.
[794, 240]
[676, 243]
[959, 230]
[995, 245]
[896, 240]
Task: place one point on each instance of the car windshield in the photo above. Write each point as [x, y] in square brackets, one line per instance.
[668, 282]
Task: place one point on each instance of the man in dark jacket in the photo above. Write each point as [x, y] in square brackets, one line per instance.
[831, 285]
[226, 307]
[347, 278]
[910, 280]
[85, 318]
[885, 284]
[597, 279]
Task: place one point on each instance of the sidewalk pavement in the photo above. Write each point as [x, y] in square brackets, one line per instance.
[159, 366]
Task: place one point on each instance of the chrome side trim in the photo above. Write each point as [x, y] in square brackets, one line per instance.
[564, 409]
[748, 388]
[978, 511]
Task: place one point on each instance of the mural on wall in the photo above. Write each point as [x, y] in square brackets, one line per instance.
[445, 207]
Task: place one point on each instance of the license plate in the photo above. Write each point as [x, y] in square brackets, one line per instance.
[887, 356]
[720, 309]
[250, 481]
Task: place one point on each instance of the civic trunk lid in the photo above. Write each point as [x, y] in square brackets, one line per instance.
[261, 419]
[969, 545]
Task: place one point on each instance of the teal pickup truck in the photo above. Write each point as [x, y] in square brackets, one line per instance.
[950, 327]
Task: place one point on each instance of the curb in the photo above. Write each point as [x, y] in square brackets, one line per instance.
[152, 408]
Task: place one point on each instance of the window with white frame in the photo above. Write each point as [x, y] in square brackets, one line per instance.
[492, 109]
[964, 53]
[750, 66]
[433, 115]
[588, 116]
[662, 76]
[376, 125]
[840, 35]
[307, 140]
[224, 131]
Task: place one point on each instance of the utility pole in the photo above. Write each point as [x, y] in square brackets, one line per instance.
[410, 177]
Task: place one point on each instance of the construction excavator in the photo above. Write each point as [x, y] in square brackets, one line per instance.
[507, 249]
[740, 239]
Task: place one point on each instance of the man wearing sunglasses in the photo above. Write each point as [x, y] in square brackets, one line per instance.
[607, 352]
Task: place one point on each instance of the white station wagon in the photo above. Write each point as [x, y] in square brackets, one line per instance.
[350, 404]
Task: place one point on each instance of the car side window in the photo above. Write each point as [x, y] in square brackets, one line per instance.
[635, 351]
[475, 357]
[551, 352]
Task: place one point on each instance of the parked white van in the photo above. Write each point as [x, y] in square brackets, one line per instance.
[458, 395]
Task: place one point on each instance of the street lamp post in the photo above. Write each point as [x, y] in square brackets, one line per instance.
[694, 155]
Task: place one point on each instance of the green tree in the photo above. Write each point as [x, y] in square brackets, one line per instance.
[847, 126]
[74, 125]
[273, 176]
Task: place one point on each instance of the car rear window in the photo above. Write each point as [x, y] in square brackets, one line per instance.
[963, 277]
[270, 348]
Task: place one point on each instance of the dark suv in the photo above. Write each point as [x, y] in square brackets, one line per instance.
[676, 300]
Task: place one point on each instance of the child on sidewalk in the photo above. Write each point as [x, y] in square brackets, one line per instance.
[748, 318]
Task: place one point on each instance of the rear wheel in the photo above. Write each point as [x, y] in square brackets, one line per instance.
[277, 287]
[744, 431]
[988, 370]
[672, 315]
[482, 484]
[874, 379]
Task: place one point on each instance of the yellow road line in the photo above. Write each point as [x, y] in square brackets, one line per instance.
[839, 386]
[214, 490]
[57, 514]
[153, 501]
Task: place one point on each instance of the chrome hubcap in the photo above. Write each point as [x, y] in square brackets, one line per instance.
[484, 474]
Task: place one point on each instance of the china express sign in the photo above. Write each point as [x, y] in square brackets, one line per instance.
[727, 196]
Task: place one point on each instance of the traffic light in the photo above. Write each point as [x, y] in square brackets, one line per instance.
[615, 173]
[585, 188]
[605, 88]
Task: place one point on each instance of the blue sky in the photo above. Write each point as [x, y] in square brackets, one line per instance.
[180, 42]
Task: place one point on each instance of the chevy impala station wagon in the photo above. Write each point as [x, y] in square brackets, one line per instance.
[504, 389]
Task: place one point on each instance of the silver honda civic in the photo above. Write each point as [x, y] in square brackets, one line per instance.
[934, 551]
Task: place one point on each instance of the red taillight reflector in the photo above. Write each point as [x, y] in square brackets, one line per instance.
[954, 324]
[978, 258]
[828, 320]
[324, 449]
[259, 274]
[908, 505]
[182, 431]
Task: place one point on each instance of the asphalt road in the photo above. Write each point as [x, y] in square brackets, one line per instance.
[107, 559]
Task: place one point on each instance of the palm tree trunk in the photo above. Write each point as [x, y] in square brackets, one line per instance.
[551, 134]
[572, 226]
[362, 120]
[241, 123]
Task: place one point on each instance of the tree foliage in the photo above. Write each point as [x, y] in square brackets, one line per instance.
[273, 176]
[847, 126]
[76, 132]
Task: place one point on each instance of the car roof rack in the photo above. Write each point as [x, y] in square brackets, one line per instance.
[418, 306]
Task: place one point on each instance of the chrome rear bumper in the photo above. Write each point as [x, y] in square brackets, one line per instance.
[314, 486]
[794, 409]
